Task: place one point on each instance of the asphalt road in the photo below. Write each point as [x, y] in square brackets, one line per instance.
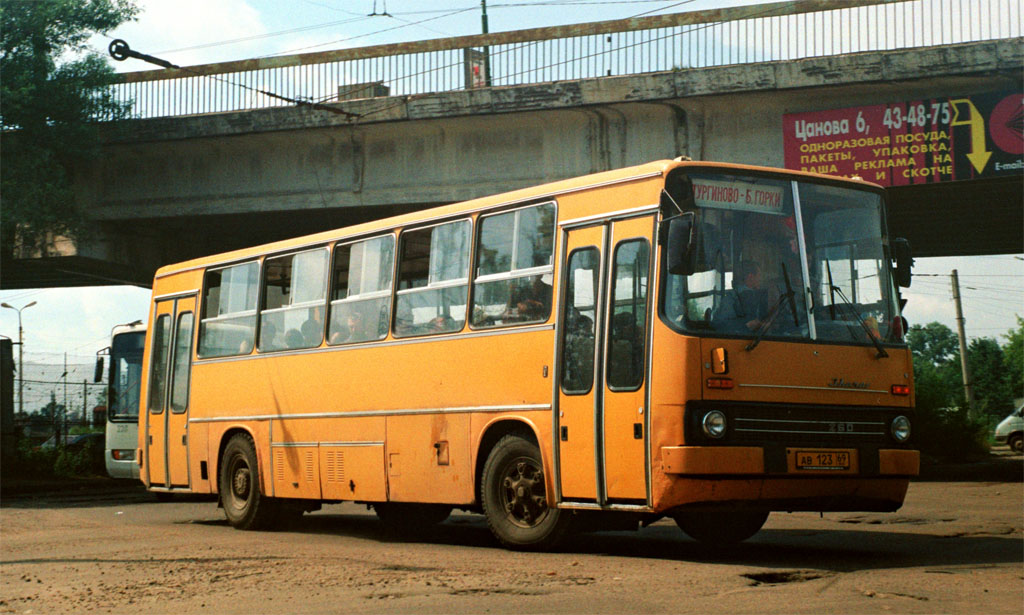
[953, 548]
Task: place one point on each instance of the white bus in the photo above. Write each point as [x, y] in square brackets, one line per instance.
[125, 371]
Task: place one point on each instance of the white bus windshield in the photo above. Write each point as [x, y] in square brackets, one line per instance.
[125, 375]
[786, 260]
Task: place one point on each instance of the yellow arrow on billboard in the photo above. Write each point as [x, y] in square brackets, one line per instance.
[979, 155]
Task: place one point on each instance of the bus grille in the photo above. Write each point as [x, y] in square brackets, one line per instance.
[769, 423]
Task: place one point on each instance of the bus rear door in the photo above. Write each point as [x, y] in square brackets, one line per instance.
[166, 455]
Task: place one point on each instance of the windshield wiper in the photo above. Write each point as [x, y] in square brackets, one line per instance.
[831, 292]
[864, 325]
[789, 294]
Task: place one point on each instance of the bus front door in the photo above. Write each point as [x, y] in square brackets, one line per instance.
[166, 454]
[603, 330]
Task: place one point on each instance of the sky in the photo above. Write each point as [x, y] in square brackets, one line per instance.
[78, 321]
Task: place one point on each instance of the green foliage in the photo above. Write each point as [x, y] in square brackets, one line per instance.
[52, 91]
[942, 428]
[949, 434]
[990, 378]
[1013, 359]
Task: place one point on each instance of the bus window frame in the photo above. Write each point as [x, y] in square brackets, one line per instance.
[512, 274]
[646, 242]
[201, 308]
[261, 296]
[188, 368]
[561, 316]
[390, 293]
[400, 252]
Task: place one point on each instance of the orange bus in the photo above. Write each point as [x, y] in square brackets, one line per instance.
[710, 342]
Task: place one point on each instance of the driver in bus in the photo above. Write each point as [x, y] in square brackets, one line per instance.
[745, 307]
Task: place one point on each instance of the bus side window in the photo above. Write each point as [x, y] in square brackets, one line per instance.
[361, 295]
[512, 283]
[433, 276]
[292, 315]
[228, 325]
[578, 319]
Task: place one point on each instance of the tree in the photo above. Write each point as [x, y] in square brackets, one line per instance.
[935, 350]
[52, 90]
[1013, 358]
[991, 380]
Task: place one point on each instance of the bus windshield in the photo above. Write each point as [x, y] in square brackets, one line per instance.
[125, 375]
[786, 260]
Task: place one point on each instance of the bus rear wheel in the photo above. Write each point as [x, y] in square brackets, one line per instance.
[720, 528]
[514, 497]
[239, 486]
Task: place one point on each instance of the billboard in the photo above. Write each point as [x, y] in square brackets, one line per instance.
[914, 142]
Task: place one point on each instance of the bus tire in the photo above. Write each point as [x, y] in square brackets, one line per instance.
[720, 528]
[1016, 442]
[514, 497]
[239, 486]
[407, 518]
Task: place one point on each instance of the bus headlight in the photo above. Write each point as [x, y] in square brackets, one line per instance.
[714, 424]
[901, 428]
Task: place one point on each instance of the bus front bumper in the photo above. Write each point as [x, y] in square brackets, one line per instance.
[753, 460]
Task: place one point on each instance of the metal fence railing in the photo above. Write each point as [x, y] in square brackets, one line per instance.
[748, 34]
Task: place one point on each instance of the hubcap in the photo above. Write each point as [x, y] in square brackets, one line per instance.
[241, 481]
[522, 493]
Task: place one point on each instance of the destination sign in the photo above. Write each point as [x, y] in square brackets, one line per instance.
[739, 195]
[914, 142]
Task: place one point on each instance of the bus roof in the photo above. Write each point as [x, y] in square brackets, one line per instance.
[552, 189]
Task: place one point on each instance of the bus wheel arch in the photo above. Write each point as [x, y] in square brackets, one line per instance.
[490, 437]
[239, 484]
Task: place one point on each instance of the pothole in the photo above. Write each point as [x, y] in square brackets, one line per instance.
[778, 577]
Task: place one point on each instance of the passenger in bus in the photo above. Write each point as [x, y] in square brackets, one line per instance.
[268, 336]
[312, 329]
[579, 351]
[745, 306]
[294, 339]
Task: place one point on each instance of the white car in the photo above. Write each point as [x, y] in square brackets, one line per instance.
[1011, 430]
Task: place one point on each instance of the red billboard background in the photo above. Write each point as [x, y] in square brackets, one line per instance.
[913, 142]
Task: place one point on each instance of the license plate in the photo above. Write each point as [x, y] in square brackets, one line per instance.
[827, 460]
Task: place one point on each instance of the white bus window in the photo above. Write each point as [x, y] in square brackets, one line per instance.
[292, 315]
[361, 297]
[433, 280]
[228, 326]
[514, 267]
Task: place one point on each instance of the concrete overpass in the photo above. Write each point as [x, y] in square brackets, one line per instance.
[171, 188]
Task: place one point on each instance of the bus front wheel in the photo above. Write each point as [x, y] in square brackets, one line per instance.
[514, 497]
[239, 485]
[720, 528]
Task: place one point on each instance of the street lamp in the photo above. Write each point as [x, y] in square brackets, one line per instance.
[21, 356]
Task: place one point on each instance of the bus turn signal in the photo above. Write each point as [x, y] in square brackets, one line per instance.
[900, 389]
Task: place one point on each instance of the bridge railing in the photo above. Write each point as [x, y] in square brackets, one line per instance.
[682, 41]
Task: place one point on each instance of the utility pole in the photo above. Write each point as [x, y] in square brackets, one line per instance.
[487, 50]
[85, 402]
[64, 412]
[964, 367]
[21, 356]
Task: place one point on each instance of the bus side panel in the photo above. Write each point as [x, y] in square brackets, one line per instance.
[428, 459]
[259, 431]
[675, 377]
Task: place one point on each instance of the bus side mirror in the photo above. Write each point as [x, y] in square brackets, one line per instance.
[679, 245]
[98, 374]
[904, 261]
